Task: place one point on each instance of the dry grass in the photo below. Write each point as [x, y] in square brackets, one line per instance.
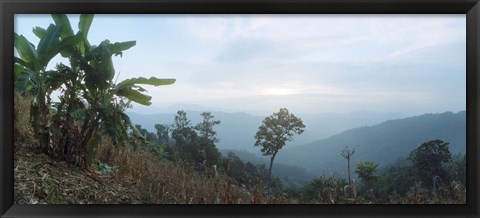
[22, 129]
[175, 183]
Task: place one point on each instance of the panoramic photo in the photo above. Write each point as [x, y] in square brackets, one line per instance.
[239, 109]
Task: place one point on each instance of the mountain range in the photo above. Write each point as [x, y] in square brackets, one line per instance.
[382, 143]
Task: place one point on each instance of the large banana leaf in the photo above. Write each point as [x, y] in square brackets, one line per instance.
[135, 96]
[142, 80]
[39, 32]
[61, 21]
[67, 45]
[48, 45]
[83, 28]
[17, 69]
[25, 80]
[130, 90]
[85, 23]
[118, 47]
[27, 52]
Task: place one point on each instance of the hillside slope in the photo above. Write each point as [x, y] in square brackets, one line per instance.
[382, 143]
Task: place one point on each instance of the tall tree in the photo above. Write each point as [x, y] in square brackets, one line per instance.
[347, 154]
[182, 132]
[274, 132]
[205, 128]
[162, 133]
[209, 154]
[428, 160]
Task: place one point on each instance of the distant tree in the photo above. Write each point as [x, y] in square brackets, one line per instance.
[149, 136]
[347, 154]
[162, 133]
[274, 132]
[209, 154]
[367, 172]
[234, 167]
[185, 137]
[205, 128]
[181, 120]
[457, 168]
[428, 161]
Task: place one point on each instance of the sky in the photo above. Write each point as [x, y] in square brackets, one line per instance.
[411, 64]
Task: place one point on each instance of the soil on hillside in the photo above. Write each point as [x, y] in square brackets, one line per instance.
[42, 180]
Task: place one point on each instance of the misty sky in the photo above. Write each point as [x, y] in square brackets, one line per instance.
[411, 64]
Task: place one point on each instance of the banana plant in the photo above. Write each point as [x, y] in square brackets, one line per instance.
[88, 105]
[91, 102]
[32, 77]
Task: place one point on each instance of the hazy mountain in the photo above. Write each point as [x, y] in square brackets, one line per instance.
[383, 143]
[237, 130]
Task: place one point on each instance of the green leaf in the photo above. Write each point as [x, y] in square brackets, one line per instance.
[39, 32]
[26, 50]
[118, 47]
[17, 69]
[85, 23]
[61, 20]
[24, 80]
[55, 79]
[21, 62]
[142, 80]
[78, 114]
[131, 91]
[135, 96]
[48, 45]
[67, 45]
[83, 28]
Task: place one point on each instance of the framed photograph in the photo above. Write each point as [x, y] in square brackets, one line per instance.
[239, 108]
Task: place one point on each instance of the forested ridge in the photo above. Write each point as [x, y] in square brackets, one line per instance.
[84, 148]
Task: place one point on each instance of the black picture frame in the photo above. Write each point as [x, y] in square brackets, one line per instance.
[10, 7]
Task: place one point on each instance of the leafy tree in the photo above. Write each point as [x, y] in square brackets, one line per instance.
[396, 177]
[275, 131]
[347, 154]
[457, 168]
[234, 167]
[367, 172]
[162, 133]
[428, 160]
[207, 139]
[205, 128]
[184, 136]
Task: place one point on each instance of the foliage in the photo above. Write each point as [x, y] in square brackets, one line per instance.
[367, 172]
[162, 133]
[275, 131]
[90, 103]
[196, 144]
[457, 168]
[429, 159]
